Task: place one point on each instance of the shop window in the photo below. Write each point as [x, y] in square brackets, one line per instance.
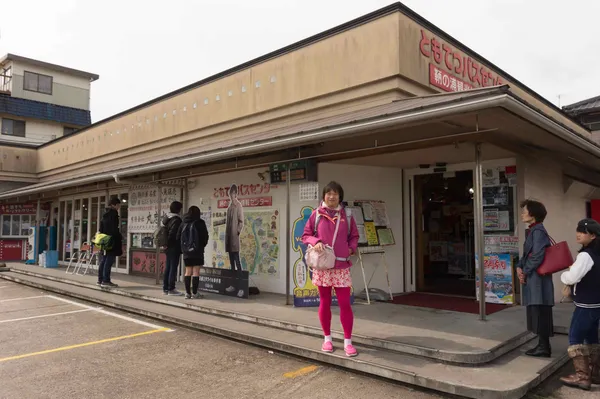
[37, 82]
[16, 225]
[12, 127]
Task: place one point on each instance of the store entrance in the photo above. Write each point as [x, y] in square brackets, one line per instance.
[445, 260]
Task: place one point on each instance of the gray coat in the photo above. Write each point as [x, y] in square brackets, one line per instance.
[538, 290]
[234, 226]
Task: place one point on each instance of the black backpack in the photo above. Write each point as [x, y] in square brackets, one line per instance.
[190, 241]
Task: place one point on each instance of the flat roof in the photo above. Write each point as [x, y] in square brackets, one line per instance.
[76, 72]
[382, 12]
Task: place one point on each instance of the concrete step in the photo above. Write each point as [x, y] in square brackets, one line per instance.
[471, 356]
[510, 376]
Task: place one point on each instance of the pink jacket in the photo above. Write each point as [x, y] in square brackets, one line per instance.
[326, 229]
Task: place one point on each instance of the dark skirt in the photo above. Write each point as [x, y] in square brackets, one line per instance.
[193, 262]
[540, 320]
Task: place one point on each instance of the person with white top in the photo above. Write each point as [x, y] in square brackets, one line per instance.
[584, 277]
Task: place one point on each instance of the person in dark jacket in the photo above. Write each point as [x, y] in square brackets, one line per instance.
[172, 221]
[584, 277]
[538, 291]
[193, 252]
[109, 225]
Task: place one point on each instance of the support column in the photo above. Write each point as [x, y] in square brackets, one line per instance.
[288, 234]
[478, 213]
[158, 212]
[38, 225]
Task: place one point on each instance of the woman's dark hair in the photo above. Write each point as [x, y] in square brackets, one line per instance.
[194, 212]
[590, 226]
[175, 207]
[233, 189]
[535, 209]
[335, 187]
[114, 201]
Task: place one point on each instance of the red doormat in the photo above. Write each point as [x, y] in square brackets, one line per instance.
[444, 302]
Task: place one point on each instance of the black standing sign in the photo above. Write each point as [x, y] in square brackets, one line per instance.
[224, 282]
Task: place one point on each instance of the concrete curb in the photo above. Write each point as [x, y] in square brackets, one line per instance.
[473, 358]
[355, 364]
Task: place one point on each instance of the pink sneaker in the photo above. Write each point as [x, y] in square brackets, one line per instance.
[350, 351]
[327, 347]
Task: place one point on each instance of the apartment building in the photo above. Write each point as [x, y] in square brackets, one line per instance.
[40, 101]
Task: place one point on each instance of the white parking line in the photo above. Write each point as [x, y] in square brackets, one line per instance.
[45, 315]
[5, 286]
[143, 323]
[23, 298]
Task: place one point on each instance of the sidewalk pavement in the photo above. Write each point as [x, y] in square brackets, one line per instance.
[442, 350]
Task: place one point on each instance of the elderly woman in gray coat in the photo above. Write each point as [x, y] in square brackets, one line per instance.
[538, 291]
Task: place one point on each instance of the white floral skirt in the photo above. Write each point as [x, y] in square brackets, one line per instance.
[332, 278]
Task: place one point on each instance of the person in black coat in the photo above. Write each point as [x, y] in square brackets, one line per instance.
[109, 225]
[538, 291]
[172, 221]
[192, 247]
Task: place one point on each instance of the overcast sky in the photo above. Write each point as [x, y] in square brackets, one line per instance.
[143, 49]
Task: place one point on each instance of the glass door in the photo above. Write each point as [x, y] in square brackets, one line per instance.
[68, 230]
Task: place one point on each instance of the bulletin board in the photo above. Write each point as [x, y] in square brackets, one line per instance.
[372, 222]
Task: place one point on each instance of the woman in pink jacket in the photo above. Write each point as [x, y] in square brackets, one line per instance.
[339, 277]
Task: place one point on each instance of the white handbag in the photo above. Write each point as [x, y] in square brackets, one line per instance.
[325, 259]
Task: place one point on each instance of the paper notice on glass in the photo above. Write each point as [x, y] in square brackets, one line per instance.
[491, 177]
[495, 220]
[309, 191]
[501, 244]
[357, 214]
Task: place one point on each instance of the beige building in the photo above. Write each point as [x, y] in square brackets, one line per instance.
[388, 105]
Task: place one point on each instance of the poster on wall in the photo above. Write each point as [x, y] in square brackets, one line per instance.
[144, 262]
[245, 237]
[305, 292]
[498, 278]
[143, 215]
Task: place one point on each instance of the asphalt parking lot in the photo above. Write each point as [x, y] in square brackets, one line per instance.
[54, 347]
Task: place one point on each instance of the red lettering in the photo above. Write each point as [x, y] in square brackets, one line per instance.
[424, 44]
[448, 56]
[436, 50]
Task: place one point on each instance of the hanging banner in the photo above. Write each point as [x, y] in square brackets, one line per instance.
[143, 214]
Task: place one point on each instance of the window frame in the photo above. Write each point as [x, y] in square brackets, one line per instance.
[37, 81]
[30, 219]
[13, 127]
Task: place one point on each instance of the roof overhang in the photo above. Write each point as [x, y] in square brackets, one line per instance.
[491, 114]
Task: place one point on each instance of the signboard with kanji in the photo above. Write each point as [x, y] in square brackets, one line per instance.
[143, 213]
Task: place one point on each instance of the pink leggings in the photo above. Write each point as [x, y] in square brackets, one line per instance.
[346, 315]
